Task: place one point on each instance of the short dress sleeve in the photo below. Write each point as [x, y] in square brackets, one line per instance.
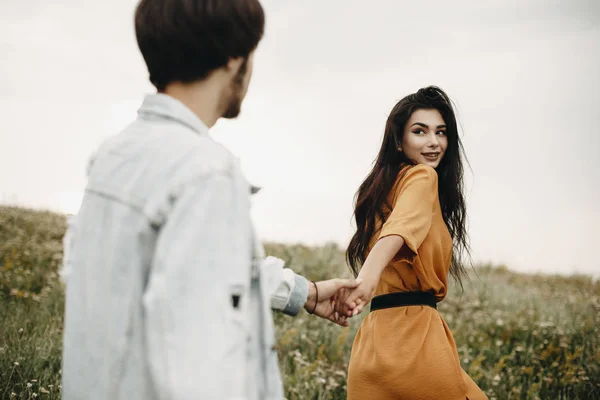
[412, 211]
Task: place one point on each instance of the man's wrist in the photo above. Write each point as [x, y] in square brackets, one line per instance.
[312, 297]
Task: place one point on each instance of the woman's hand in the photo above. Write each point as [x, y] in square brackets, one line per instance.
[350, 302]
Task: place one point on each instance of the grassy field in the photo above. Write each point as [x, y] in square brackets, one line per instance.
[519, 336]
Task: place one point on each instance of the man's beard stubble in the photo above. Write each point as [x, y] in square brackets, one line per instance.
[234, 104]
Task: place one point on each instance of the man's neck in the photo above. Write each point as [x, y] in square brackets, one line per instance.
[202, 98]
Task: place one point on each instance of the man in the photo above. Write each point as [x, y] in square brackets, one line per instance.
[168, 292]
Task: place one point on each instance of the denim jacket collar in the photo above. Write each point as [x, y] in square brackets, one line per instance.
[164, 106]
[167, 107]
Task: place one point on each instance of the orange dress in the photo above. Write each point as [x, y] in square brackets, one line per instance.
[409, 352]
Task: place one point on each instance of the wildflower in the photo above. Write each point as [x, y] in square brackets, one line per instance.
[44, 390]
[496, 380]
[29, 385]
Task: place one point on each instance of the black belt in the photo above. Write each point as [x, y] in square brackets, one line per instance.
[402, 299]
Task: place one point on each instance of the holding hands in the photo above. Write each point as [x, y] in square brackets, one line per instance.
[339, 299]
[322, 298]
[350, 302]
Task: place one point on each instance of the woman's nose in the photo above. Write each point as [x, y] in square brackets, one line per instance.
[433, 141]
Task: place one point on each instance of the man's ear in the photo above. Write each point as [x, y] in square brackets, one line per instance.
[233, 65]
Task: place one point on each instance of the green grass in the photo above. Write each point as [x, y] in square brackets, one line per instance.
[519, 336]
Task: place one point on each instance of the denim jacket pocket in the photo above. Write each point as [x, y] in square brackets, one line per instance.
[237, 333]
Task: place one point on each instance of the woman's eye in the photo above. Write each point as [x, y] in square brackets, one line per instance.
[418, 131]
[441, 132]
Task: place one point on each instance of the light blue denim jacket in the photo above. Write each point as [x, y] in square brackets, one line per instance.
[168, 292]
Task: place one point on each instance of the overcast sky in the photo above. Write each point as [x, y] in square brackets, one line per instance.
[524, 74]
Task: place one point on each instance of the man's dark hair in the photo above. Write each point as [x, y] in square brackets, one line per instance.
[184, 40]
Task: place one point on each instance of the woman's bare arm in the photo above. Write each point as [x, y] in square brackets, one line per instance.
[380, 256]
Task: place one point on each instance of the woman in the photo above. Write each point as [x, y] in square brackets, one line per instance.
[410, 217]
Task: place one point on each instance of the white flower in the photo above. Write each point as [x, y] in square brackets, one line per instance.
[496, 380]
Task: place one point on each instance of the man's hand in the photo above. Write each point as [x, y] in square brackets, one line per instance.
[327, 291]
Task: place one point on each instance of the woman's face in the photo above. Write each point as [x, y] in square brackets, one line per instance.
[425, 139]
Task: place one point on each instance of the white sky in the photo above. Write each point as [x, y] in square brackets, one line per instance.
[524, 73]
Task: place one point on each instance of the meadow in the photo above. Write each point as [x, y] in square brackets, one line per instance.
[519, 336]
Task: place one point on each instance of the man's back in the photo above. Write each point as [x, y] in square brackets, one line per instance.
[169, 295]
[112, 346]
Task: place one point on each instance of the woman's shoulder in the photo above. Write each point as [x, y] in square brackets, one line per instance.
[410, 173]
[412, 176]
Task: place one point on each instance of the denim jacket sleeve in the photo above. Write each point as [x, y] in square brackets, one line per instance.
[289, 290]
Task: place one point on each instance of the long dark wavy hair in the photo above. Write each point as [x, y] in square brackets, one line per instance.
[371, 200]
